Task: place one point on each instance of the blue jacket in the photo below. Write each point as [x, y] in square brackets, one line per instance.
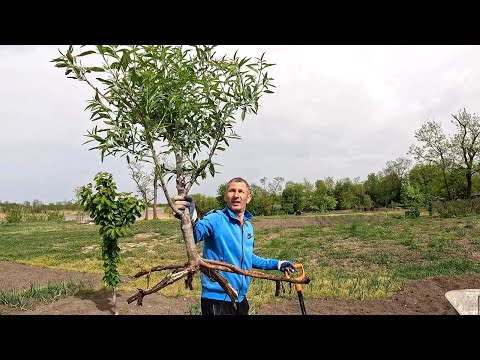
[225, 240]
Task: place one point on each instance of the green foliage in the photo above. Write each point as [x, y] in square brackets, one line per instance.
[457, 208]
[55, 216]
[19, 213]
[293, 200]
[14, 215]
[262, 201]
[114, 212]
[221, 191]
[323, 197]
[182, 98]
[38, 207]
[204, 204]
[413, 200]
[349, 194]
[382, 188]
[367, 202]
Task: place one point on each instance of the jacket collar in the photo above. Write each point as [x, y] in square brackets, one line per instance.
[247, 215]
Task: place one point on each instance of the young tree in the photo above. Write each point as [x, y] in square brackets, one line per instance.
[178, 101]
[114, 212]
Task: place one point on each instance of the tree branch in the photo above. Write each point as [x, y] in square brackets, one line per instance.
[211, 269]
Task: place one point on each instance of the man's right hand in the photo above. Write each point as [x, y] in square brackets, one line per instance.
[183, 202]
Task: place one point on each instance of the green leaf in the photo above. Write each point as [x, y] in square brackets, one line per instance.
[87, 53]
[96, 69]
[211, 168]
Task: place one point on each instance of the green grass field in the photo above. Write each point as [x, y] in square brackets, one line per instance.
[347, 256]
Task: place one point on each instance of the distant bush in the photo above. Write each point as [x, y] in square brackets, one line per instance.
[412, 213]
[413, 200]
[55, 216]
[457, 208]
[21, 213]
[33, 217]
[14, 215]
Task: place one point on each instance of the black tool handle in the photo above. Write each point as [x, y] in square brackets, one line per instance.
[302, 305]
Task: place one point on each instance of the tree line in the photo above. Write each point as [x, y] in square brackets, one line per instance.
[446, 169]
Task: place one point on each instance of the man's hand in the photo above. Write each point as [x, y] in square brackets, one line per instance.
[183, 202]
[284, 265]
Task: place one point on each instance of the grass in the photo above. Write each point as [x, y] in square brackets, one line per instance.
[27, 298]
[346, 256]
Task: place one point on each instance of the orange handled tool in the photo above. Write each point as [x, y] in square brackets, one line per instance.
[298, 287]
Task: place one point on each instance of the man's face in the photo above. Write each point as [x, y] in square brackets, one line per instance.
[237, 197]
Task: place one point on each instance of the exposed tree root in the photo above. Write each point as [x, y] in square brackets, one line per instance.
[210, 268]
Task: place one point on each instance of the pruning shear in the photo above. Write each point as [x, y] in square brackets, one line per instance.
[298, 287]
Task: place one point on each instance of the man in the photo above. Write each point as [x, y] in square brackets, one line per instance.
[228, 237]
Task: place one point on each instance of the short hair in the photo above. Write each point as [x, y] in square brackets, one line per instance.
[239, 180]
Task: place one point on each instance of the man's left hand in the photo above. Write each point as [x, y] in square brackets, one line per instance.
[284, 265]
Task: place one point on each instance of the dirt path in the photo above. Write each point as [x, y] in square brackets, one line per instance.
[423, 297]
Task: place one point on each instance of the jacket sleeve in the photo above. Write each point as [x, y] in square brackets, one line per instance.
[203, 228]
[264, 263]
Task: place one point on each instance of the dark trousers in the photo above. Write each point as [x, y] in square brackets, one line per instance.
[219, 307]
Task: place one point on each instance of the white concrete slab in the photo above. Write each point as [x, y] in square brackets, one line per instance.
[465, 301]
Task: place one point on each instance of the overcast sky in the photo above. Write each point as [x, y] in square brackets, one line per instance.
[340, 111]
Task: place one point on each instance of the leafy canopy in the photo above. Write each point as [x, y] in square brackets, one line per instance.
[184, 98]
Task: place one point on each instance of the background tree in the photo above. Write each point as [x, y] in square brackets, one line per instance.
[308, 190]
[178, 101]
[204, 204]
[435, 149]
[348, 194]
[398, 169]
[467, 143]
[221, 190]
[262, 201]
[275, 189]
[293, 199]
[143, 183]
[323, 197]
[413, 200]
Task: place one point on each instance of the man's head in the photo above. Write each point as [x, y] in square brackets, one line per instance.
[237, 195]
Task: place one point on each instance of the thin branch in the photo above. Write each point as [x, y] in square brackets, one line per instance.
[159, 268]
[209, 158]
[169, 279]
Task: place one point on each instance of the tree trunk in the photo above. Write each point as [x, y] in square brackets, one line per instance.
[187, 231]
[468, 175]
[155, 194]
[449, 196]
[146, 209]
